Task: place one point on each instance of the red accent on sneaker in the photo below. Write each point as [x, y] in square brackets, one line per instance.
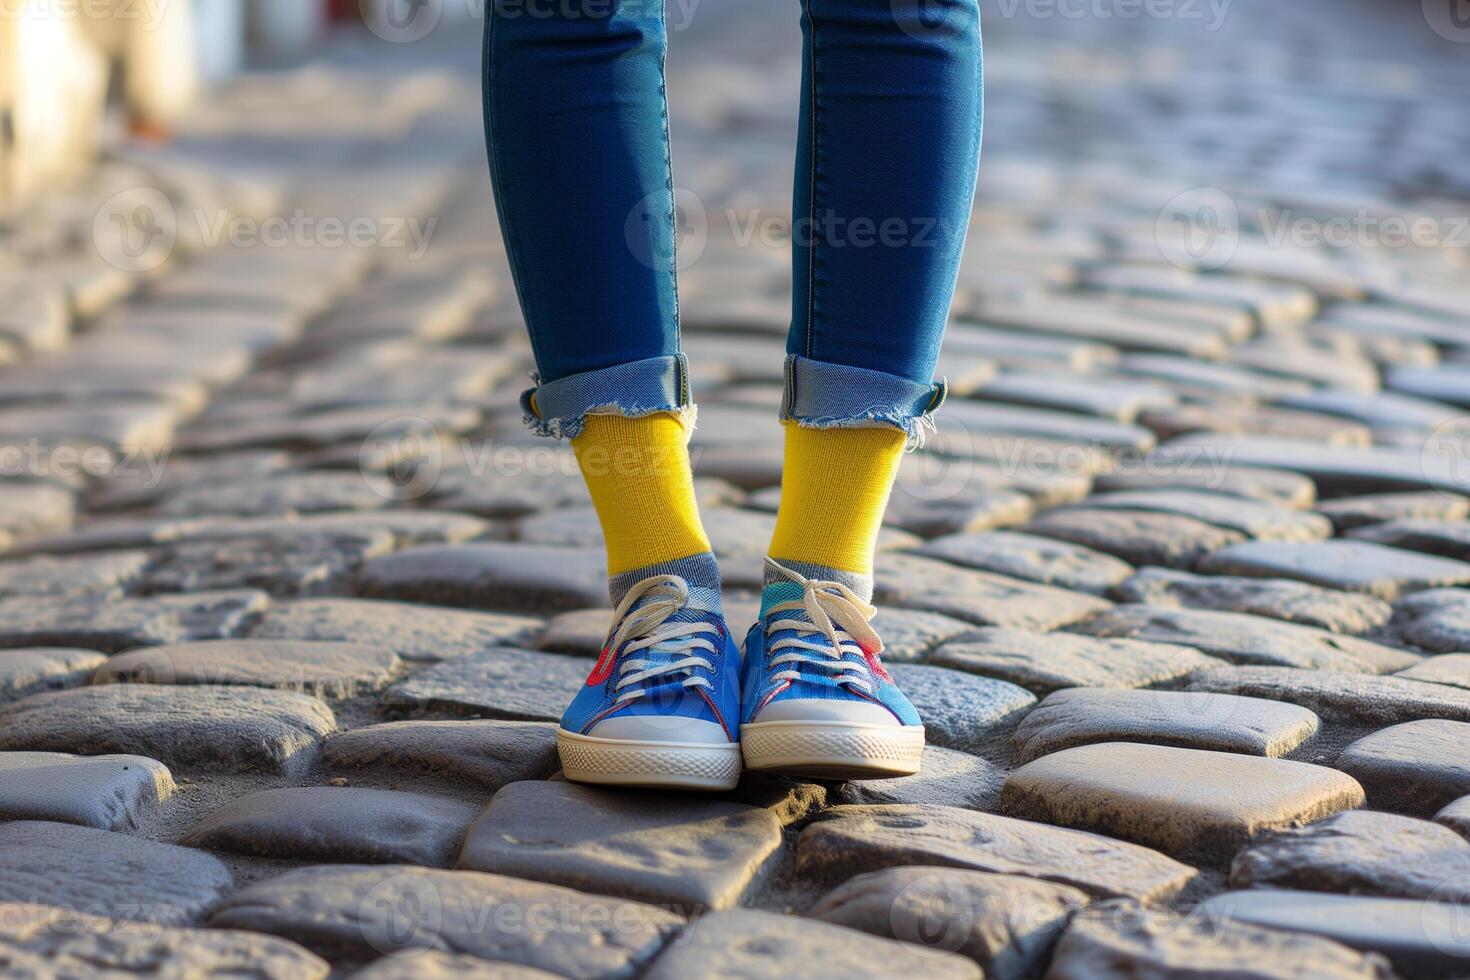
[876, 666]
[603, 668]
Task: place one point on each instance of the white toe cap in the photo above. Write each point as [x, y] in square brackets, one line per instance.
[660, 728]
[819, 710]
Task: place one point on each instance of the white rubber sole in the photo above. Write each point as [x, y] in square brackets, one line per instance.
[832, 749]
[659, 765]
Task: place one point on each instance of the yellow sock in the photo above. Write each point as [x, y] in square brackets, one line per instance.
[638, 473]
[834, 488]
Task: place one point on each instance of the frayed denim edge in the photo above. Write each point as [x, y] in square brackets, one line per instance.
[916, 428]
[570, 428]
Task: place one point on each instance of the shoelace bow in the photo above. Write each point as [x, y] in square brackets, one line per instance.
[647, 628]
[835, 613]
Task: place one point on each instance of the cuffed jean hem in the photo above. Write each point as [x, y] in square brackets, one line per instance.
[823, 395]
[632, 390]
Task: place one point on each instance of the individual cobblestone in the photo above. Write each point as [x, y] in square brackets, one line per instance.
[113, 626]
[1035, 559]
[1005, 923]
[961, 711]
[1437, 619]
[1417, 767]
[1045, 662]
[1294, 602]
[978, 597]
[948, 778]
[747, 943]
[97, 872]
[368, 911]
[107, 792]
[1184, 719]
[347, 824]
[30, 671]
[1357, 566]
[1189, 803]
[1420, 939]
[669, 850]
[1344, 697]
[47, 941]
[1249, 639]
[851, 839]
[240, 728]
[334, 670]
[1137, 537]
[1363, 852]
[491, 753]
[1347, 513]
[1118, 939]
[502, 682]
[413, 632]
[529, 578]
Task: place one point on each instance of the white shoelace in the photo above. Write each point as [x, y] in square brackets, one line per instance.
[647, 627]
[835, 613]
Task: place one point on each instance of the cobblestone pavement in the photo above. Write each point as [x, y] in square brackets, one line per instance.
[1181, 584]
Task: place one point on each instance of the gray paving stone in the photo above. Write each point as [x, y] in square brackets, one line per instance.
[1337, 696]
[1449, 539]
[102, 873]
[413, 632]
[30, 671]
[434, 965]
[108, 792]
[1185, 802]
[1357, 566]
[990, 417]
[502, 682]
[675, 851]
[1261, 521]
[285, 567]
[237, 728]
[1437, 619]
[1160, 472]
[112, 626]
[1185, 719]
[1137, 537]
[1380, 469]
[357, 911]
[1045, 662]
[347, 824]
[847, 840]
[1347, 513]
[1361, 853]
[1417, 767]
[35, 508]
[947, 778]
[529, 491]
[1005, 923]
[1226, 415]
[1294, 602]
[521, 577]
[1033, 558]
[932, 511]
[978, 597]
[1249, 639]
[491, 753]
[1447, 668]
[1420, 939]
[909, 635]
[961, 711]
[333, 670]
[44, 941]
[1119, 939]
[276, 493]
[1456, 816]
[1086, 394]
[744, 944]
[104, 574]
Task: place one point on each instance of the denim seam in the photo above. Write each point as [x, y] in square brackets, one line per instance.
[663, 97]
[814, 151]
[493, 148]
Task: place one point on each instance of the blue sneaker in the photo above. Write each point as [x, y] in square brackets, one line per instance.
[818, 702]
[661, 706]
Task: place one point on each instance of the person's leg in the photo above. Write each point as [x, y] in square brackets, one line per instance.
[577, 127]
[886, 162]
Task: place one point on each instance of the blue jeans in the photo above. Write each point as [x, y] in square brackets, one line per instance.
[889, 142]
